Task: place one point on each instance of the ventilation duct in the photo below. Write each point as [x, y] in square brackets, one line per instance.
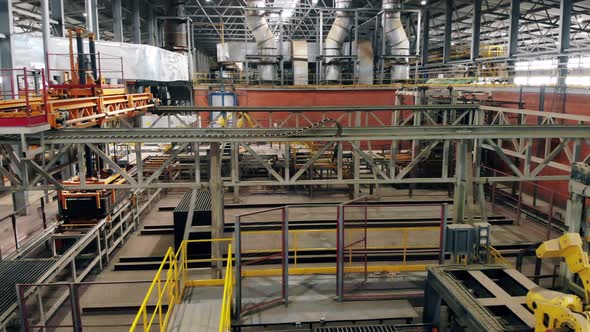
[365, 61]
[300, 58]
[175, 27]
[265, 39]
[333, 45]
[399, 45]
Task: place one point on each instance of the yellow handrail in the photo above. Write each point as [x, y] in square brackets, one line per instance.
[169, 291]
[225, 320]
[497, 258]
[170, 288]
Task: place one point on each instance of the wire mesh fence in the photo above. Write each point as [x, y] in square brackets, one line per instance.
[88, 306]
[265, 251]
[365, 248]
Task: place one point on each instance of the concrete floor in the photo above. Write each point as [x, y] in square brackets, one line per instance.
[311, 298]
[27, 226]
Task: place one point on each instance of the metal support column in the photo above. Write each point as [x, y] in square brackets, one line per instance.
[425, 36]
[7, 29]
[57, 15]
[136, 22]
[513, 30]
[565, 22]
[448, 30]
[92, 17]
[117, 20]
[475, 30]
[460, 183]
[151, 38]
[46, 28]
[216, 187]
[357, 159]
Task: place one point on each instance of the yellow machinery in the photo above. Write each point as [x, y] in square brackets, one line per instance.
[556, 311]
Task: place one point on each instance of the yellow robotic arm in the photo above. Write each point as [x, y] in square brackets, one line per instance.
[556, 310]
[569, 246]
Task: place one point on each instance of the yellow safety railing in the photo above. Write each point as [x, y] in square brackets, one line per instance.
[167, 294]
[318, 240]
[497, 258]
[226, 304]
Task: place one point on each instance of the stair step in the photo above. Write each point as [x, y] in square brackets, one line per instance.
[169, 226]
[136, 259]
[159, 231]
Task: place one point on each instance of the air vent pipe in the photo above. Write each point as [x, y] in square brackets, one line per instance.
[333, 45]
[399, 45]
[265, 39]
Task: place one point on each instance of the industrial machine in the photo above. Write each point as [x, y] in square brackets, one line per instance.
[556, 310]
[78, 96]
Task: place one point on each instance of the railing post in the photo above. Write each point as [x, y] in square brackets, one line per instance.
[26, 83]
[340, 253]
[550, 215]
[519, 207]
[238, 272]
[443, 229]
[75, 304]
[494, 193]
[20, 293]
[286, 254]
[14, 230]
[43, 215]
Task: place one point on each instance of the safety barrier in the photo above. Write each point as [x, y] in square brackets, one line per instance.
[497, 258]
[226, 304]
[168, 295]
[169, 291]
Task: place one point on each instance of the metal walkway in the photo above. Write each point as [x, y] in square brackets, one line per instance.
[26, 271]
[199, 310]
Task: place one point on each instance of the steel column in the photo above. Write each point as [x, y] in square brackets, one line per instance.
[216, 187]
[461, 165]
[46, 28]
[513, 29]
[117, 20]
[475, 30]
[7, 29]
[425, 36]
[565, 22]
[92, 17]
[450, 4]
[57, 15]
[151, 38]
[136, 22]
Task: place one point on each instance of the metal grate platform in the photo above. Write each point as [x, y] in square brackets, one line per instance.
[26, 271]
[377, 328]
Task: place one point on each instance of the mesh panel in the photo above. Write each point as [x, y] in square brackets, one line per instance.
[370, 240]
[101, 306]
[262, 250]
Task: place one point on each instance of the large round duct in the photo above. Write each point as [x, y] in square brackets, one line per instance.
[265, 40]
[399, 45]
[175, 29]
[336, 37]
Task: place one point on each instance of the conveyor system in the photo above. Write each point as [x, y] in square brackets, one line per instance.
[26, 271]
[484, 298]
[90, 204]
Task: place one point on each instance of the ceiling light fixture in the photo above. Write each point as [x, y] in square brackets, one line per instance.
[423, 2]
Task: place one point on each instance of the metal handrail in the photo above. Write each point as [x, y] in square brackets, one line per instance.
[226, 305]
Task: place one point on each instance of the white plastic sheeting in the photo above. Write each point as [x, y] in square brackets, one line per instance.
[140, 62]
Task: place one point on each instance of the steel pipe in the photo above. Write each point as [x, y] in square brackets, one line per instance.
[333, 45]
[399, 45]
[265, 39]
